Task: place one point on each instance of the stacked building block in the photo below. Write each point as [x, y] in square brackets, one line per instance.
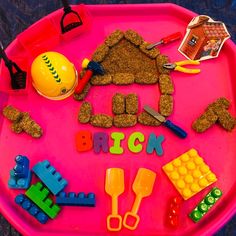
[206, 204]
[50, 177]
[20, 175]
[71, 199]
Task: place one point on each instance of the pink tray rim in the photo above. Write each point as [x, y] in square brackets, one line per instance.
[25, 229]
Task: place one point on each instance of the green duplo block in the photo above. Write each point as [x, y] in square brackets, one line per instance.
[39, 195]
[205, 205]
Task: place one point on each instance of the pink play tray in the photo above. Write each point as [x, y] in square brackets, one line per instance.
[85, 172]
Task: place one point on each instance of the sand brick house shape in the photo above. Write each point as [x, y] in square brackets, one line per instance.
[126, 60]
[204, 39]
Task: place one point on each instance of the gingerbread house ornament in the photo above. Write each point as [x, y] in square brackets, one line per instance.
[204, 38]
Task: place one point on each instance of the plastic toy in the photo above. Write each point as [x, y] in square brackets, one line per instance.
[92, 68]
[49, 176]
[100, 142]
[39, 195]
[18, 76]
[174, 128]
[31, 208]
[206, 204]
[173, 212]
[189, 174]
[166, 40]
[116, 148]
[132, 139]
[53, 76]
[154, 143]
[178, 66]
[84, 141]
[71, 199]
[114, 186]
[22, 166]
[142, 187]
[69, 13]
[20, 175]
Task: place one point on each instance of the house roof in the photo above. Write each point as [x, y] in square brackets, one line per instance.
[215, 30]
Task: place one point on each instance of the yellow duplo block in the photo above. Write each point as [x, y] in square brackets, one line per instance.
[189, 173]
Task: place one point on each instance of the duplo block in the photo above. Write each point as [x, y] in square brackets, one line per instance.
[50, 177]
[173, 211]
[189, 174]
[39, 195]
[206, 204]
[71, 199]
[20, 175]
[31, 208]
[21, 168]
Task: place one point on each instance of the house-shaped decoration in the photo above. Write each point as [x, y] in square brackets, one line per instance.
[204, 38]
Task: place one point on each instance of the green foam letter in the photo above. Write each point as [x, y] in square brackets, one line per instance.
[131, 142]
[116, 148]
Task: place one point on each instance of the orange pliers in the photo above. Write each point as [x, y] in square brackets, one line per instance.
[178, 66]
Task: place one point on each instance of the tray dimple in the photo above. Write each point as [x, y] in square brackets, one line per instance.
[85, 172]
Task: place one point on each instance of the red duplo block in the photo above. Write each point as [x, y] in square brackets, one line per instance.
[173, 212]
[84, 141]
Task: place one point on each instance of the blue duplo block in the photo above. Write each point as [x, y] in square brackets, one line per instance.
[22, 166]
[71, 199]
[31, 208]
[20, 175]
[50, 177]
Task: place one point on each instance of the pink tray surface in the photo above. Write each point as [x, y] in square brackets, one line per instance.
[85, 172]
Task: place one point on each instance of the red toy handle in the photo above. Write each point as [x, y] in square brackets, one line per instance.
[83, 81]
[171, 38]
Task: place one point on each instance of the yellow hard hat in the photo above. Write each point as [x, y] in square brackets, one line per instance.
[53, 76]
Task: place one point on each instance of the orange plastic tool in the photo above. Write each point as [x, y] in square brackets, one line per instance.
[142, 186]
[114, 186]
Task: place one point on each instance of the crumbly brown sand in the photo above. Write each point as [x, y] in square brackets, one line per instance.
[205, 121]
[101, 120]
[114, 38]
[145, 119]
[85, 112]
[131, 103]
[118, 104]
[125, 120]
[215, 112]
[22, 122]
[166, 85]
[124, 57]
[161, 60]
[166, 105]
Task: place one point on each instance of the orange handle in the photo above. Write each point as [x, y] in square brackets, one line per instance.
[115, 219]
[135, 220]
[133, 214]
